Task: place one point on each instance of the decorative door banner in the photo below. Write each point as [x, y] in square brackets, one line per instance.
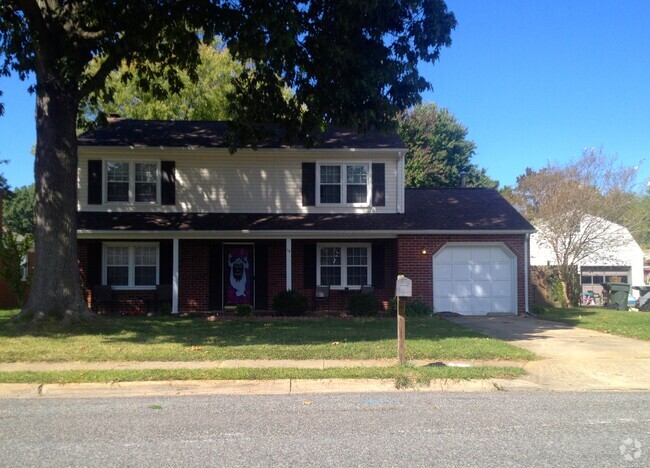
[238, 276]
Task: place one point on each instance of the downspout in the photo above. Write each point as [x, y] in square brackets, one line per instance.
[526, 268]
[400, 181]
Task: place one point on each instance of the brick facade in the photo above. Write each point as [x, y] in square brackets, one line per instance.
[418, 266]
[194, 275]
[400, 256]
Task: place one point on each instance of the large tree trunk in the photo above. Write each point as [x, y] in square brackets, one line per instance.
[56, 290]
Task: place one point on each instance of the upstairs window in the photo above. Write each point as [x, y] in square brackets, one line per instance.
[132, 182]
[343, 184]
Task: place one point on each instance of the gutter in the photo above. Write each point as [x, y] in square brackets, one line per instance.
[279, 234]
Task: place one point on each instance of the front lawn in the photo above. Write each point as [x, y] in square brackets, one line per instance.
[182, 339]
[630, 324]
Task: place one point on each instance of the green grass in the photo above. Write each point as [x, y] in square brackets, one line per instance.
[630, 324]
[403, 374]
[182, 339]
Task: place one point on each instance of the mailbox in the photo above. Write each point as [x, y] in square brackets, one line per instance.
[403, 287]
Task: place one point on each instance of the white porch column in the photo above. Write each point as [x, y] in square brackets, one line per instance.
[175, 277]
[288, 265]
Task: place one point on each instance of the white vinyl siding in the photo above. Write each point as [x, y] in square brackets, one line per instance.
[246, 182]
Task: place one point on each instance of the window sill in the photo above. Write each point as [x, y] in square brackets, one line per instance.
[133, 288]
[344, 288]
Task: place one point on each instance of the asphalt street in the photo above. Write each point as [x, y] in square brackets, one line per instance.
[396, 429]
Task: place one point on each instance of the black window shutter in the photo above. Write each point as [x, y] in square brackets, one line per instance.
[94, 267]
[94, 182]
[378, 184]
[166, 261]
[309, 263]
[378, 263]
[168, 187]
[261, 277]
[308, 184]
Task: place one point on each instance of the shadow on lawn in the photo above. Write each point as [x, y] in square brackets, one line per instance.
[224, 333]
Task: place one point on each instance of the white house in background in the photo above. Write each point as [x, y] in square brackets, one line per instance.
[620, 259]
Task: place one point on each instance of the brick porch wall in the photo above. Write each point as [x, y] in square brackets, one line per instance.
[276, 273]
[194, 275]
[419, 267]
[82, 260]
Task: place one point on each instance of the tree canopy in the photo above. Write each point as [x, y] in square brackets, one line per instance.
[348, 63]
[438, 149]
[572, 206]
[18, 210]
[206, 98]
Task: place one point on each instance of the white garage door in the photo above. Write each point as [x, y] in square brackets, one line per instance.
[474, 280]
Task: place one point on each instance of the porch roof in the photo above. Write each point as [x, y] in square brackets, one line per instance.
[454, 210]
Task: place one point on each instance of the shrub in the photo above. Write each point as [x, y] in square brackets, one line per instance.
[413, 309]
[244, 310]
[537, 309]
[363, 305]
[290, 303]
[14, 250]
[418, 309]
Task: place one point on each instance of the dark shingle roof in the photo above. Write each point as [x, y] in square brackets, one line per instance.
[209, 134]
[426, 210]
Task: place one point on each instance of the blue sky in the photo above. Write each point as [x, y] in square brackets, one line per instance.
[532, 80]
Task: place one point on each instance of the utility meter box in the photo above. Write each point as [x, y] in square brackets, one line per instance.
[403, 287]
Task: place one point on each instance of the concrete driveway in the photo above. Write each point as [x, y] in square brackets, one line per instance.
[574, 359]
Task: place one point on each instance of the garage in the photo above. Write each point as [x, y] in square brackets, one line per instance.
[474, 279]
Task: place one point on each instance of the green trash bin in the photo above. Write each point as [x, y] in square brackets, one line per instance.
[617, 293]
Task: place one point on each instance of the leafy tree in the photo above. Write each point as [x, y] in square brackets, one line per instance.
[349, 63]
[18, 210]
[13, 250]
[572, 206]
[438, 149]
[207, 98]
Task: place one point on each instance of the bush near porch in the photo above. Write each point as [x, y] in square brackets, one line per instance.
[183, 339]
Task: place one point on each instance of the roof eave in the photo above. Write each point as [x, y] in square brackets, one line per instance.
[284, 234]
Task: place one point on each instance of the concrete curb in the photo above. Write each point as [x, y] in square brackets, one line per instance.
[248, 387]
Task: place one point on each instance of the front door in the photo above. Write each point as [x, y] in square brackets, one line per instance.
[238, 274]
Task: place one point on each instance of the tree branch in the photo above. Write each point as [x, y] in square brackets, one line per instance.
[109, 64]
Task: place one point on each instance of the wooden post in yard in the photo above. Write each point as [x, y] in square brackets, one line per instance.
[403, 289]
[401, 330]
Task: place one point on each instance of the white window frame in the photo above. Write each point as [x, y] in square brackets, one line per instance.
[344, 263]
[344, 184]
[131, 164]
[131, 246]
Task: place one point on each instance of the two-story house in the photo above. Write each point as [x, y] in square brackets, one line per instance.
[164, 202]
